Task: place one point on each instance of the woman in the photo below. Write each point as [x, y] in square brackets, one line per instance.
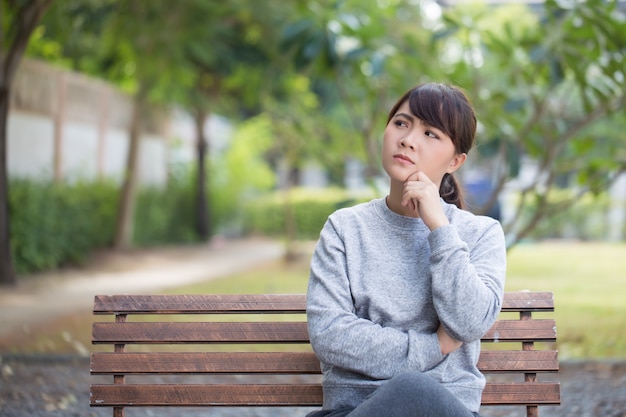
[402, 288]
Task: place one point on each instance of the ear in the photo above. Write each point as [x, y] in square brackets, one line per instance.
[457, 162]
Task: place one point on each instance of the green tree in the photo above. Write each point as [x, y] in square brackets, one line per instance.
[361, 56]
[543, 85]
[145, 37]
[126, 43]
[206, 56]
[542, 82]
[140, 46]
[18, 20]
[232, 53]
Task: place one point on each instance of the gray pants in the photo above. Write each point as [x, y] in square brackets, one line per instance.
[411, 394]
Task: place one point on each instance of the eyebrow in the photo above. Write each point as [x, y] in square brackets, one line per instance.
[408, 116]
[413, 118]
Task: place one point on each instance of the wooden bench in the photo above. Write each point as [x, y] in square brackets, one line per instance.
[252, 360]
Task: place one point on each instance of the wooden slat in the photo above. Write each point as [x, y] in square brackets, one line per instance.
[200, 304]
[518, 361]
[279, 332]
[511, 393]
[263, 303]
[286, 395]
[206, 395]
[287, 332]
[284, 362]
[528, 301]
[543, 330]
[200, 332]
[205, 363]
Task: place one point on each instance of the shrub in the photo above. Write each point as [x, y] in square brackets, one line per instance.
[53, 224]
[310, 208]
[57, 224]
[165, 216]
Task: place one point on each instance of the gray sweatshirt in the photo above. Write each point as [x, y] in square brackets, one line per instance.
[381, 283]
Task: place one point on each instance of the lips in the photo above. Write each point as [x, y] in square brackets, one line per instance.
[404, 158]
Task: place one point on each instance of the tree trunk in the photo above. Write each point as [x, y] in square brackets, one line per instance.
[11, 52]
[202, 210]
[126, 208]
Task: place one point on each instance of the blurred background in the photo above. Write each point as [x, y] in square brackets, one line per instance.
[136, 123]
[131, 125]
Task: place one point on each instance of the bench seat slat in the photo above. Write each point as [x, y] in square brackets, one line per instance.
[543, 330]
[278, 332]
[498, 361]
[200, 304]
[206, 395]
[511, 393]
[205, 363]
[263, 303]
[284, 395]
[528, 301]
[201, 332]
[284, 362]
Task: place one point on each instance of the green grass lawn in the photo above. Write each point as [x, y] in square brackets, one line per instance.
[589, 285]
[588, 281]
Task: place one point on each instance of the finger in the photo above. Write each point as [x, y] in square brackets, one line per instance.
[411, 203]
[421, 176]
[408, 201]
[414, 176]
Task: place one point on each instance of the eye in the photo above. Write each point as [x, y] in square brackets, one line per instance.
[400, 123]
[432, 134]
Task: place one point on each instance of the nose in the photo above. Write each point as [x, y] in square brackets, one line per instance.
[405, 144]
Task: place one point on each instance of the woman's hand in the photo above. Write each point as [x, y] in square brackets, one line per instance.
[446, 342]
[422, 196]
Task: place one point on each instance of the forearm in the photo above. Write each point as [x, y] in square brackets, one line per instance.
[361, 346]
[467, 288]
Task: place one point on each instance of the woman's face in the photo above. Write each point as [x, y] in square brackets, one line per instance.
[410, 146]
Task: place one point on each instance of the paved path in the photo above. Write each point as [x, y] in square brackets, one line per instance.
[42, 297]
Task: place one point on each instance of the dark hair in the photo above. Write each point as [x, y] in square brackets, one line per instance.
[447, 108]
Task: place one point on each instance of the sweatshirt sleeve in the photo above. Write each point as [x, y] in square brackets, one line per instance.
[340, 338]
[468, 285]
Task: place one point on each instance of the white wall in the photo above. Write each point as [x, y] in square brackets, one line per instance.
[30, 145]
[88, 120]
[79, 147]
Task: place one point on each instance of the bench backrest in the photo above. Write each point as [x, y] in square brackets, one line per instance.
[227, 340]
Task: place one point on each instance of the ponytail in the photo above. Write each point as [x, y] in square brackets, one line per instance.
[451, 192]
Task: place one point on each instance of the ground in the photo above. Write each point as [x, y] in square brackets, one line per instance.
[59, 387]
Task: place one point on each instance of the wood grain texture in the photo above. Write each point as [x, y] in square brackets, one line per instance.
[263, 303]
[284, 395]
[137, 363]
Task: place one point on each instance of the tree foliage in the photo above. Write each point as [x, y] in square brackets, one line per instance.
[548, 83]
[545, 84]
[544, 87]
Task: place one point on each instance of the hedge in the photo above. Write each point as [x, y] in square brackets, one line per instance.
[52, 225]
[310, 209]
